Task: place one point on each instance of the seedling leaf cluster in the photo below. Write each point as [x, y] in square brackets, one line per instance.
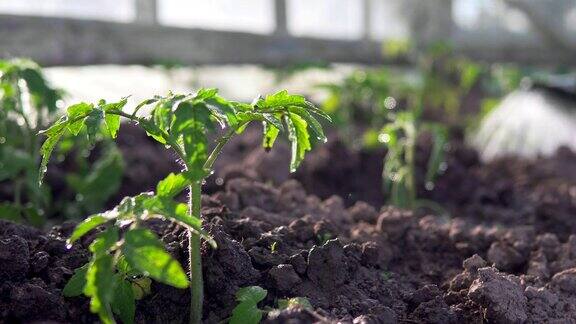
[182, 123]
[28, 103]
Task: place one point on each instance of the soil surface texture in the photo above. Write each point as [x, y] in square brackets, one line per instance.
[505, 254]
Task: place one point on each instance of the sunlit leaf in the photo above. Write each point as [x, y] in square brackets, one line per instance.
[87, 225]
[145, 253]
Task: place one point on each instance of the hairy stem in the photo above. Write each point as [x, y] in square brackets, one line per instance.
[195, 257]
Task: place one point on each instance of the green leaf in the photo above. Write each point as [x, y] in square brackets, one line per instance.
[172, 185]
[93, 122]
[75, 286]
[113, 120]
[310, 120]
[178, 212]
[141, 287]
[102, 181]
[270, 135]
[281, 99]
[274, 120]
[298, 136]
[87, 225]
[54, 134]
[14, 161]
[123, 301]
[100, 286]
[247, 312]
[75, 112]
[104, 241]
[315, 110]
[145, 253]
[10, 212]
[253, 294]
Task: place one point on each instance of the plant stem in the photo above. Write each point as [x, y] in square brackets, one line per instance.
[411, 135]
[195, 257]
[218, 148]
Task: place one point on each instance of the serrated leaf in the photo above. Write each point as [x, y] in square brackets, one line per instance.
[172, 185]
[299, 138]
[86, 226]
[100, 286]
[223, 109]
[206, 93]
[177, 212]
[75, 112]
[310, 120]
[270, 135]
[75, 286]
[315, 110]
[54, 134]
[145, 253]
[123, 301]
[281, 99]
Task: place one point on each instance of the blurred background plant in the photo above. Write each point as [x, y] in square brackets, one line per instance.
[28, 104]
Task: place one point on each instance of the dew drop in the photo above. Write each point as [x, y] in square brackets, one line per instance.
[443, 166]
[68, 246]
[384, 138]
[429, 186]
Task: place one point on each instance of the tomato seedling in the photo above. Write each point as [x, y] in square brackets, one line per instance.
[181, 123]
[28, 103]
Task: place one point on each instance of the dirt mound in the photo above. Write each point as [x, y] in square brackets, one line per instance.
[354, 264]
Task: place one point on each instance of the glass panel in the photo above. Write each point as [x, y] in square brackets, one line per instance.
[326, 18]
[255, 16]
[108, 10]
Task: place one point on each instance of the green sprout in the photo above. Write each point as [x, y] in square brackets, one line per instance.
[247, 311]
[181, 123]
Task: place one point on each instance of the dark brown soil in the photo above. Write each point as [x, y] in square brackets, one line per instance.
[507, 254]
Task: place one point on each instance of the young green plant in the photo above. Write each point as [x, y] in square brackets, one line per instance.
[181, 123]
[28, 103]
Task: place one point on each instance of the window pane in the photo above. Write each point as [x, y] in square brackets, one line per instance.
[325, 18]
[109, 10]
[255, 16]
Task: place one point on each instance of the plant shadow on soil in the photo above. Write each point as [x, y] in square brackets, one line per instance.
[507, 254]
